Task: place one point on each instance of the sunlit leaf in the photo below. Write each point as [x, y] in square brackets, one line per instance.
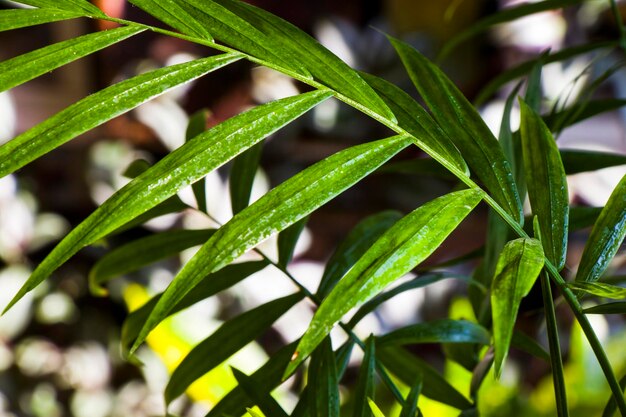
[101, 107]
[171, 12]
[27, 66]
[180, 168]
[258, 392]
[213, 284]
[365, 386]
[373, 408]
[599, 289]
[468, 132]
[407, 243]
[358, 241]
[269, 376]
[606, 236]
[517, 270]
[141, 252]
[409, 369]
[20, 18]
[547, 184]
[78, 6]
[323, 383]
[274, 212]
[226, 341]
[438, 331]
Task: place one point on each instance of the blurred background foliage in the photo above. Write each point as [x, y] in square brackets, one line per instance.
[59, 348]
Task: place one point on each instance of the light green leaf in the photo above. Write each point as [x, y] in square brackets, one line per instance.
[259, 393]
[25, 67]
[407, 243]
[576, 161]
[358, 241]
[365, 386]
[373, 408]
[213, 284]
[78, 6]
[412, 117]
[287, 240]
[269, 376]
[195, 127]
[599, 289]
[171, 12]
[506, 15]
[99, 108]
[606, 236]
[618, 307]
[297, 46]
[180, 168]
[410, 406]
[274, 212]
[525, 67]
[517, 270]
[242, 175]
[438, 331]
[226, 341]
[464, 127]
[323, 382]
[409, 369]
[547, 184]
[141, 252]
[20, 18]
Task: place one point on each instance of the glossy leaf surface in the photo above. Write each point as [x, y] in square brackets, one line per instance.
[274, 212]
[599, 289]
[517, 270]
[438, 331]
[15, 19]
[606, 236]
[411, 240]
[547, 184]
[171, 12]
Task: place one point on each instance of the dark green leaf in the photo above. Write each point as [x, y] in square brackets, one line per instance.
[527, 66]
[171, 12]
[599, 289]
[409, 368]
[360, 238]
[295, 46]
[611, 406]
[533, 87]
[407, 243]
[195, 127]
[322, 383]
[464, 127]
[275, 211]
[438, 331]
[365, 387]
[518, 267]
[78, 6]
[210, 286]
[180, 168]
[618, 307]
[410, 406]
[224, 342]
[287, 240]
[258, 392]
[503, 16]
[581, 217]
[576, 161]
[142, 252]
[420, 166]
[522, 342]
[547, 185]
[25, 67]
[582, 111]
[412, 117]
[15, 19]
[242, 175]
[99, 108]
[606, 236]
[269, 376]
[136, 168]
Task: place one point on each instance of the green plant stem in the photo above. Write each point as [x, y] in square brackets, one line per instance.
[569, 296]
[620, 24]
[556, 360]
[382, 372]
